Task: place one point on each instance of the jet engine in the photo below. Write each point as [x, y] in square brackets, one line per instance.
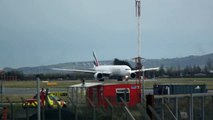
[133, 75]
[98, 76]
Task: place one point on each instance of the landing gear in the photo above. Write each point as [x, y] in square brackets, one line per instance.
[101, 79]
[120, 79]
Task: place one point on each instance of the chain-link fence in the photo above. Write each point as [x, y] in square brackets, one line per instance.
[184, 107]
[15, 111]
[162, 107]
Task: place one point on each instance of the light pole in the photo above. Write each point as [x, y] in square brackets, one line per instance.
[2, 77]
[38, 99]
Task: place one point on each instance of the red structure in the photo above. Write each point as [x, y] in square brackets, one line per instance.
[4, 113]
[99, 94]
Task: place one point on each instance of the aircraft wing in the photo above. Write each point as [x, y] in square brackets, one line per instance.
[74, 70]
[151, 69]
[147, 69]
[82, 71]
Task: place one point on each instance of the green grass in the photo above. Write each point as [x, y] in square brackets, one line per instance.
[32, 84]
[206, 81]
[148, 84]
[14, 98]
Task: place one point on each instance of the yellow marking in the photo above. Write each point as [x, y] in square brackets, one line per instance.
[59, 94]
[51, 83]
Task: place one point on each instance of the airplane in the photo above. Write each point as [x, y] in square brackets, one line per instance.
[102, 71]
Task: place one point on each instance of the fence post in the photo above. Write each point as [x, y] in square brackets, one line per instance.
[162, 108]
[109, 103]
[4, 113]
[176, 107]
[93, 105]
[170, 111]
[27, 109]
[150, 102]
[127, 110]
[203, 107]
[191, 107]
[11, 109]
[76, 112]
[212, 106]
[154, 112]
[59, 109]
[129, 113]
[75, 108]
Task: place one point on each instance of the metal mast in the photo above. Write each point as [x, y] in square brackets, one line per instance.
[138, 16]
[138, 58]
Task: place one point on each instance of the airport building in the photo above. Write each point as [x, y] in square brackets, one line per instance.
[100, 94]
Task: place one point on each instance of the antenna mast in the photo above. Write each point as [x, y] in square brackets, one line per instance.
[138, 58]
[138, 16]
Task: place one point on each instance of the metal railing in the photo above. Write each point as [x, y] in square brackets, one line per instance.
[194, 106]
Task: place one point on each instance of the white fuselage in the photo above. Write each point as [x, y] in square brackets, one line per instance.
[114, 70]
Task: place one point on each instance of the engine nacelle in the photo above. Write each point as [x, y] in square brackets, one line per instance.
[133, 75]
[98, 76]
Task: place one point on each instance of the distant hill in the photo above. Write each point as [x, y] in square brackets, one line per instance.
[182, 62]
[168, 62]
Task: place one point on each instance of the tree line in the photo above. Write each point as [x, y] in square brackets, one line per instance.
[187, 71]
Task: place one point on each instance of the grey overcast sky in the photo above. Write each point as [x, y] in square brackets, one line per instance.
[44, 32]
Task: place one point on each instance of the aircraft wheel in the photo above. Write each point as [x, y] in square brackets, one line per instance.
[101, 79]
